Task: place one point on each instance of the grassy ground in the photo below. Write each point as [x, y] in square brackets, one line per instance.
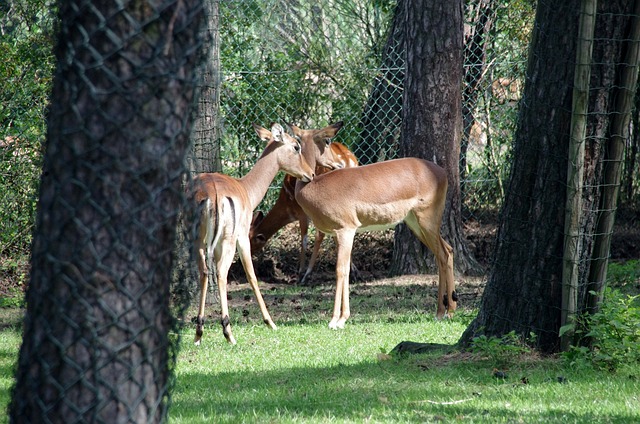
[308, 373]
[303, 372]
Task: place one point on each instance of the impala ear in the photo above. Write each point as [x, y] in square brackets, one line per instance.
[258, 216]
[263, 133]
[277, 132]
[328, 132]
[294, 129]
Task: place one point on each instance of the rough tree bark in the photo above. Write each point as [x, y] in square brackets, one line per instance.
[432, 124]
[524, 292]
[95, 345]
[205, 151]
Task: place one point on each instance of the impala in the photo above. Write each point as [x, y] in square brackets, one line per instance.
[287, 210]
[226, 207]
[374, 197]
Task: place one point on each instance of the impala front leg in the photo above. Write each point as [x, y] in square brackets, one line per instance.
[341, 309]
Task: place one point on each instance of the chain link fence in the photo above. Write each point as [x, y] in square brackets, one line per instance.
[294, 61]
[343, 61]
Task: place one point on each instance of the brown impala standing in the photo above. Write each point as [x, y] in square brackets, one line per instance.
[374, 197]
[226, 207]
[286, 210]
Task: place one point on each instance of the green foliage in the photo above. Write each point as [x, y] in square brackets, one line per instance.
[609, 338]
[501, 351]
[625, 276]
[295, 62]
[26, 69]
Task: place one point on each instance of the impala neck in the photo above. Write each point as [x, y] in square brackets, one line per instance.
[258, 179]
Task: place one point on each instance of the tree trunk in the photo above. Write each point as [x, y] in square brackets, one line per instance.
[524, 289]
[96, 345]
[432, 122]
[627, 32]
[205, 147]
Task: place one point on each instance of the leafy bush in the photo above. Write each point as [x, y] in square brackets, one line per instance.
[609, 338]
[502, 351]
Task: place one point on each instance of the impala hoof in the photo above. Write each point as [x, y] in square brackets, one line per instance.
[337, 324]
[271, 324]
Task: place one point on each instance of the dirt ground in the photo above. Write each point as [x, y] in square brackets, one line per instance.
[372, 252]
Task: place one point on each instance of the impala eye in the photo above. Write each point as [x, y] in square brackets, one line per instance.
[297, 147]
[327, 140]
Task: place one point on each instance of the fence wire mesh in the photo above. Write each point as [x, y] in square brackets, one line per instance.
[313, 65]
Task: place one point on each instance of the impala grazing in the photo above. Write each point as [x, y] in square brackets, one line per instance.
[226, 207]
[286, 210]
[375, 197]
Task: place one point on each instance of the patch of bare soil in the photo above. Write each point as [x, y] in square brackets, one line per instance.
[372, 253]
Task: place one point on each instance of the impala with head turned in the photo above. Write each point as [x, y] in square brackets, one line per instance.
[286, 210]
[225, 208]
[374, 197]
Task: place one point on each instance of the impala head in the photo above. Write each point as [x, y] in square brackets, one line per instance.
[288, 150]
[316, 145]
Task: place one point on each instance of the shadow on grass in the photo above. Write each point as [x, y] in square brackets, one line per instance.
[387, 391]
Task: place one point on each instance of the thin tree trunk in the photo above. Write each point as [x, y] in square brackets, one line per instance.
[205, 152]
[96, 346]
[625, 90]
[432, 125]
[575, 169]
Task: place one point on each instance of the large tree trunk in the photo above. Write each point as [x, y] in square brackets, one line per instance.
[432, 124]
[96, 345]
[524, 291]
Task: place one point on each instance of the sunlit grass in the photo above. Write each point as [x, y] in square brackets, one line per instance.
[308, 373]
[305, 373]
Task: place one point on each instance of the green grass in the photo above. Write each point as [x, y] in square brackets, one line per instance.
[306, 373]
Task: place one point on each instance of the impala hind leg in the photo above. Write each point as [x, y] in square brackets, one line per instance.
[303, 222]
[341, 309]
[427, 228]
[244, 251]
[203, 273]
[224, 257]
[447, 296]
[317, 244]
